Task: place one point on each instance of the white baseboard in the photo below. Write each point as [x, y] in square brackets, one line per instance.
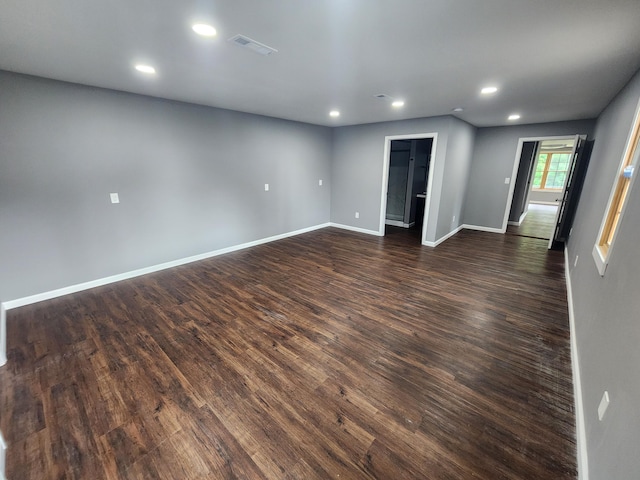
[357, 229]
[581, 435]
[483, 229]
[540, 202]
[20, 302]
[398, 223]
[522, 217]
[442, 239]
[3, 336]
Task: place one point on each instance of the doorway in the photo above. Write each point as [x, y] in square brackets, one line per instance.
[549, 173]
[407, 178]
[540, 182]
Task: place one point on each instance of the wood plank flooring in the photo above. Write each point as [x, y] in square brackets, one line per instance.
[327, 355]
[538, 223]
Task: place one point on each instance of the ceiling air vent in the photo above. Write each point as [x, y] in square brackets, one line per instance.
[246, 42]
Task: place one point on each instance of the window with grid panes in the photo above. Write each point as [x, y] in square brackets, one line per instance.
[619, 194]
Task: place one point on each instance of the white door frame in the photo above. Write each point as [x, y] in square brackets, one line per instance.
[385, 178]
[516, 165]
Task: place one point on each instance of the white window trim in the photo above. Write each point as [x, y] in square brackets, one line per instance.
[602, 260]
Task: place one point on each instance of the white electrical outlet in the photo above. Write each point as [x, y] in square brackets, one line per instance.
[320, 182]
[507, 180]
[3, 448]
[114, 198]
[575, 262]
[266, 187]
[454, 219]
[604, 404]
[357, 214]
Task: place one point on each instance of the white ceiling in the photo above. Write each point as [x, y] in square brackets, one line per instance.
[552, 59]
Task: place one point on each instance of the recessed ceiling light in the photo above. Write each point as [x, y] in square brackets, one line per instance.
[145, 68]
[334, 113]
[488, 90]
[514, 116]
[204, 30]
[398, 103]
[457, 109]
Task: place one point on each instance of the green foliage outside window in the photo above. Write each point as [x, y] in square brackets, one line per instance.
[551, 171]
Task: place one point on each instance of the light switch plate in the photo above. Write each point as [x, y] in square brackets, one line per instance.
[266, 187]
[114, 198]
[507, 180]
[320, 182]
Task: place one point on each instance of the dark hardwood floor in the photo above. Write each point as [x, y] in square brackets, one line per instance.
[538, 223]
[327, 355]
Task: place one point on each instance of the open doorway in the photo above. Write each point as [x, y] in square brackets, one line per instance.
[540, 182]
[549, 172]
[406, 184]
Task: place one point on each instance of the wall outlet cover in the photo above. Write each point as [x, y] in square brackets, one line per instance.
[114, 198]
[266, 187]
[320, 182]
[3, 448]
[357, 214]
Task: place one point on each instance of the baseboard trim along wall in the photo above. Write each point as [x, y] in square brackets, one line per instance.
[20, 302]
[483, 229]
[442, 239]
[519, 222]
[581, 435]
[357, 229]
[3, 336]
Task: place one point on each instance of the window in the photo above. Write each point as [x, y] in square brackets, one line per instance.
[618, 197]
[551, 170]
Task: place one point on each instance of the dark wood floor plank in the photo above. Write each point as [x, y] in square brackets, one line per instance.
[327, 355]
[538, 223]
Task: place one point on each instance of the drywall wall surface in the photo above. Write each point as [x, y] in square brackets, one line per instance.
[457, 169]
[493, 159]
[607, 318]
[190, 180]
[357, 169]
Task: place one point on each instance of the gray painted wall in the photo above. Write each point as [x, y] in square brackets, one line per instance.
[493, 158]
[607, 309]
[455, 179]
[358, 162]
[357, 169]
[190, 179]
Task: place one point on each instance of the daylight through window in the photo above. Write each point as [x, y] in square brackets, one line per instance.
[618, 197]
